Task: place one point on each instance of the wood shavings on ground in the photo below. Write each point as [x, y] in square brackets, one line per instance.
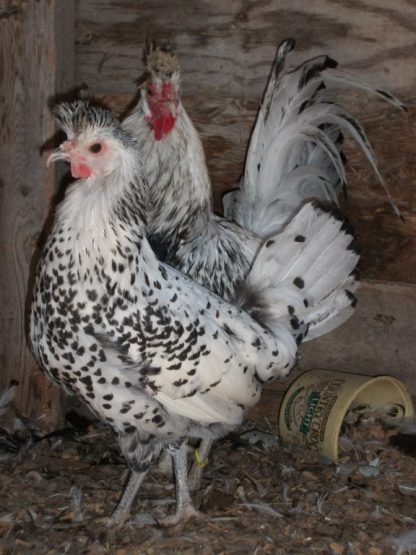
[260, 498]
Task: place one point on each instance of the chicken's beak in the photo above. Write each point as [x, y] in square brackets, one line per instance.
[58, 154]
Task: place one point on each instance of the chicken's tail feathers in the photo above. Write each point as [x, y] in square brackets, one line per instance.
[304, 277]
[277, 68]
[295, 151]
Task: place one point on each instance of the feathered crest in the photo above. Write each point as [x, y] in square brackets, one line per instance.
[76, 116]
[80, 116]
[161, 61]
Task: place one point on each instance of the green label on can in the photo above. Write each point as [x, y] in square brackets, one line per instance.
[312, 403]
[288, 407]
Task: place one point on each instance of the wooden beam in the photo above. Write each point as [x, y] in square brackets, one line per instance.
[37, 63]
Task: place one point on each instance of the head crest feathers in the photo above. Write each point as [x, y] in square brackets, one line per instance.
[80, 116]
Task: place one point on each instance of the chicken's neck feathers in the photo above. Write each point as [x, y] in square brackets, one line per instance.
[103, 219]
[176, 169]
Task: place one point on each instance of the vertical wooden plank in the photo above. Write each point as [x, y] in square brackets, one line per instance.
[36, 64]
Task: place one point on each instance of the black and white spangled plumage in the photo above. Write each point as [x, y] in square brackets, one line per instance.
[154, 354]
[294, 155]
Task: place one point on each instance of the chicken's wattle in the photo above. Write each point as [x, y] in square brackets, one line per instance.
[162, 123]
[160, 102]
[79, 169]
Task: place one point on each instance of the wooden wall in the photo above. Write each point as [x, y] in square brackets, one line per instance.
[226, 48]
[36, 63]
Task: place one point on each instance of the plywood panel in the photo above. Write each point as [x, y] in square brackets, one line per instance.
[33, 36]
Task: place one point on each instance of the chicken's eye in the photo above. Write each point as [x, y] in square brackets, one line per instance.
[95, 148]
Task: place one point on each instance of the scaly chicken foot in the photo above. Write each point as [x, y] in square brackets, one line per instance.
[122, 511]
[185, 509]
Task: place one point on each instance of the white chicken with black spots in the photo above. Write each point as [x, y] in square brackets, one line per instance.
[153, 353]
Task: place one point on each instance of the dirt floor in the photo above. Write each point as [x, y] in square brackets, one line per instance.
[258, 497]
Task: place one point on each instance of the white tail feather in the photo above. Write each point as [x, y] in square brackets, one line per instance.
[294, 153]
[304, 274]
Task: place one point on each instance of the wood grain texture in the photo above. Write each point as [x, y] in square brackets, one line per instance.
[378, 339]
[226, 49]
[29, 67]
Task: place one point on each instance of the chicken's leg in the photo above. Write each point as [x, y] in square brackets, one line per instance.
[185, 509]
[198, 464]
[122, 510]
